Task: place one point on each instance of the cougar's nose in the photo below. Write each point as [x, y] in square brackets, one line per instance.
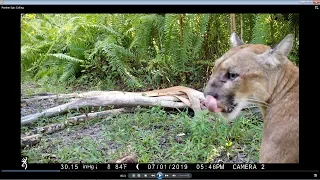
[206, 93]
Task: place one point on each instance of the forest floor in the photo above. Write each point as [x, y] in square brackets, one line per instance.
[151, 134]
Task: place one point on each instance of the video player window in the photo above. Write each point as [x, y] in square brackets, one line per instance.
[191, 90]
[69, 55]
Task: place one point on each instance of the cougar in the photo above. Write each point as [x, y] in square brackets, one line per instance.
[259, 74]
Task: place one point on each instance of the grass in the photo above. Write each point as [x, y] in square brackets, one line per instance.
[153, 134]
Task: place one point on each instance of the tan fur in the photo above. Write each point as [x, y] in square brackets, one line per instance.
[280, 138]
[273, 82]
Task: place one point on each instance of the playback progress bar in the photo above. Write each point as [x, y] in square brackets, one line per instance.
[30, 171]
[159, 175]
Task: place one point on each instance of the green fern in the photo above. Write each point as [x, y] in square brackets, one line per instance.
[68, 73]
[261, 31]
[116, 56]
[132, 50]
[203, 22]
[61, 65]
[172, 44]
[143, 30]
[187, 38]
[66, 58]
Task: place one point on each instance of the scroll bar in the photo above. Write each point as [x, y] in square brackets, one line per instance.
[187, 175]
[30, 170]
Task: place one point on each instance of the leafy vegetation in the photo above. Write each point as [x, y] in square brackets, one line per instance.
[138, 51]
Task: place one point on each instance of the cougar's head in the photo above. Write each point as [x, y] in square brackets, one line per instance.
[245, 74]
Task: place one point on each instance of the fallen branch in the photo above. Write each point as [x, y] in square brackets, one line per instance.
[101, 114]
[49, 129]
[52, 128]
[164, 97]
[174, 97]
[30, 140]
[51, 96]
[102, 101]
[79, 95]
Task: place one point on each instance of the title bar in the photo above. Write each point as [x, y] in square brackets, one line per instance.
[159, 2]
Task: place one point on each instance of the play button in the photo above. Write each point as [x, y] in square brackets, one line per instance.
[159, 175]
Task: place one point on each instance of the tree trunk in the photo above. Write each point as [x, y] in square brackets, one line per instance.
[241, 24]
[231, 28]
[181, 27]
[233, 22]
[272, 29]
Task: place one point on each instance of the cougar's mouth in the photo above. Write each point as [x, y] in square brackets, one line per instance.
[230, 108]
[216, 106]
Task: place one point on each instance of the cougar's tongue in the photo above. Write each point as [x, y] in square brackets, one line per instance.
[212, 104]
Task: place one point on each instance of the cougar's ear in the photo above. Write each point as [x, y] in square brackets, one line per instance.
[278, 55]
[284, 47]
[235, 40]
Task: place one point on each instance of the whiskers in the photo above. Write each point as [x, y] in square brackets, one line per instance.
[256, 101]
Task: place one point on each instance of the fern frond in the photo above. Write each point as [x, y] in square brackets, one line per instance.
[200, 36]
[261, 31]
[103, 27]
[143, 38]
[68, 73]
[170, 20]
[66, 57]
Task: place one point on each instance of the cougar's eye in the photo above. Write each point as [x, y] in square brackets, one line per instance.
[232, 76]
